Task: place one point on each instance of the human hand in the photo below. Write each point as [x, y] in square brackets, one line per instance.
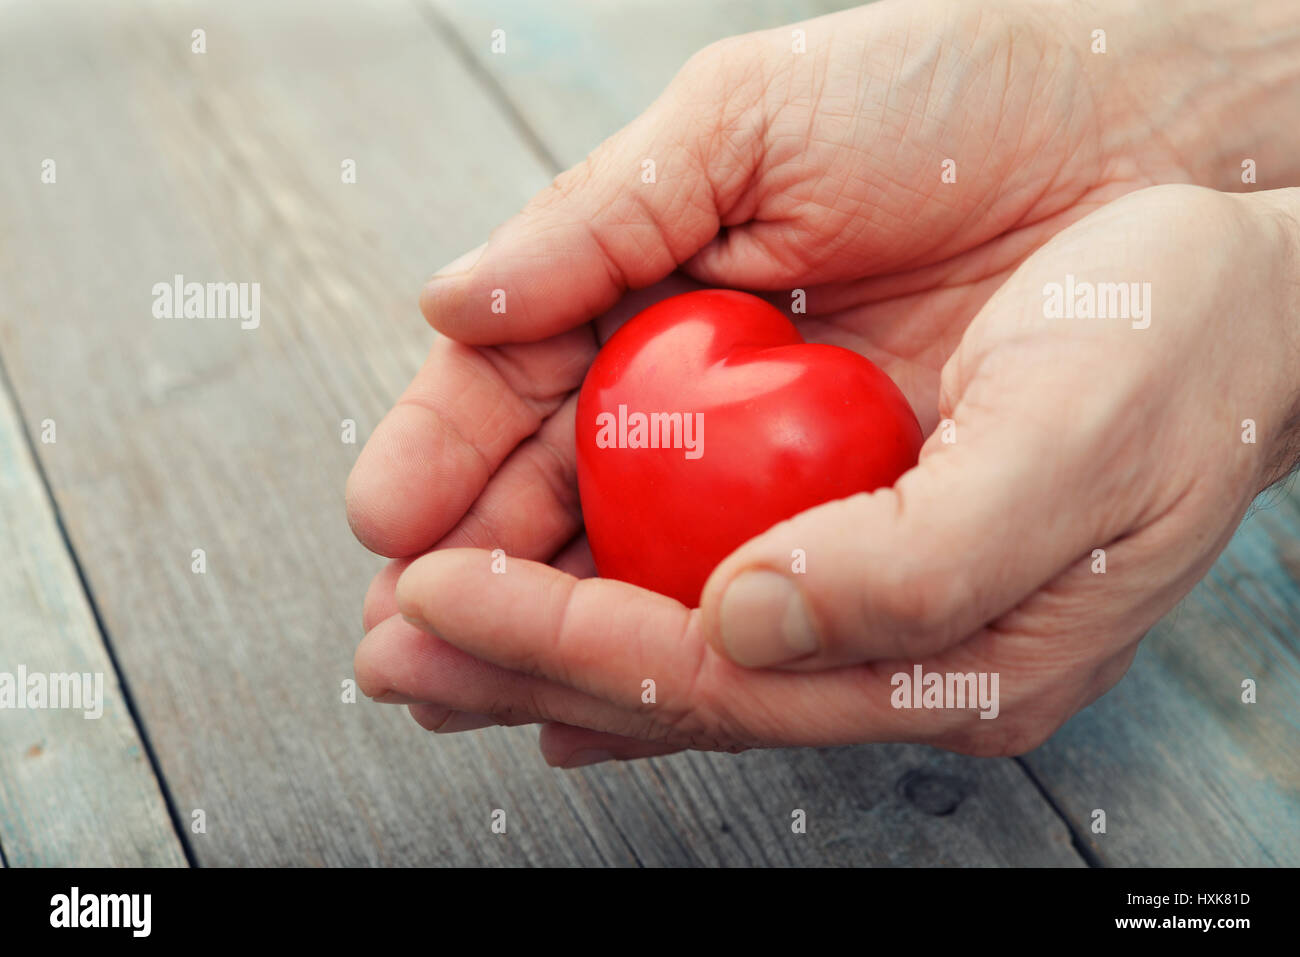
[479, 452]
[1124, 434]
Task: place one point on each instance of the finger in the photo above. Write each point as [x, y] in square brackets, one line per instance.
[399, 664]
[645, 653]
[910, 570]
[442, 720]
[381, 596]
[603, 227]
[637, 301]
[435, 451]
[530, 507]
[601, 636]
[761, 255]
[564, 746]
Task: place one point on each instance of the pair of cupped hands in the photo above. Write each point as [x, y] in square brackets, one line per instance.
[824, 171]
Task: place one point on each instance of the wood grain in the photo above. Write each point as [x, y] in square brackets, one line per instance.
[75, 788]
[178, 435]
[578, 71]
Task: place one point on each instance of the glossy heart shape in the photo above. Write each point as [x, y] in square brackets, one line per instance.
[706, 419]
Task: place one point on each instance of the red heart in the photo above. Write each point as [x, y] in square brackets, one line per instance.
[752, 425]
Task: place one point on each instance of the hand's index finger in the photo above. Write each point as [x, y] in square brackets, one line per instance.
[602, 228]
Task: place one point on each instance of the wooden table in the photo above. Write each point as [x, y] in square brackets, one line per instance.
[225, 690]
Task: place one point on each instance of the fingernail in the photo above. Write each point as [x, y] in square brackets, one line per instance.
[415, 622]
[394, 697]
[465, 721]
[584, 756]
[765, 621]
[429, 716]
[461, 264]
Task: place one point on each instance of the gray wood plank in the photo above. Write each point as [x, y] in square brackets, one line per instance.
[887, 805]
[76, 787]
[177, 435]
[579, 70]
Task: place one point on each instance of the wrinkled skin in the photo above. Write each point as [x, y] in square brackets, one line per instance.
[822, 171]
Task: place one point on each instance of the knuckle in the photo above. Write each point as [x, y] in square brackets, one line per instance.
[517, 706]
[700, 717]
[914, 602]
[723, 79]
[687, 719]
[708, 61]
[569, 182]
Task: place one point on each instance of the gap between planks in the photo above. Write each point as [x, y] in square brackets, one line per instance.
[9, 396]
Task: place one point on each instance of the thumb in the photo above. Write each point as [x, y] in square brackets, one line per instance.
[902, 572]
[644, 201]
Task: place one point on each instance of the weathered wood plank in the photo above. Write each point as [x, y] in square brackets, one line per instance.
[177, 435]
[579, 70]
[889, 805]
[76, 787]
[1186, 772]
[182, 435]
